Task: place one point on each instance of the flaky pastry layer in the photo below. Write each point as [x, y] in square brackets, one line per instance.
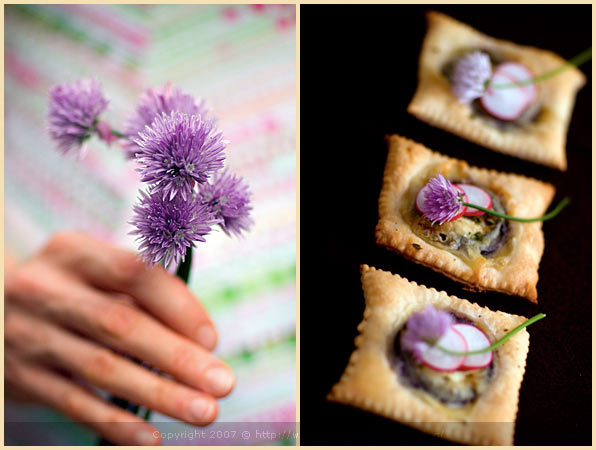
[541, 141]
[513, 269]
[371, 383]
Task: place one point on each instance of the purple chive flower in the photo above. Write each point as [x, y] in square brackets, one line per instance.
[153, 103]
[178, 150]
[470, 76]
[229, 200]
[74, 111]
[165, 228]
[442, 201]
[424, 329]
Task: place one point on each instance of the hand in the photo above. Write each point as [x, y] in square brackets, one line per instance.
[71, 308]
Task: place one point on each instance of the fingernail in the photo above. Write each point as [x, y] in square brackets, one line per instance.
[219, 380]
[145, 437]
[201, 409]
[207, 337]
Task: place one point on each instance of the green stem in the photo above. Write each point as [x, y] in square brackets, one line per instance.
[578, 60]
[501, 341]
[117, 133]
[183, 271]
[547, 216]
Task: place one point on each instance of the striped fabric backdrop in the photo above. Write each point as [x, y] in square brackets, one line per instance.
[242, 60]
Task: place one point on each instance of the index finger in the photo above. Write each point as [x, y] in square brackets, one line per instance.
[115, 269]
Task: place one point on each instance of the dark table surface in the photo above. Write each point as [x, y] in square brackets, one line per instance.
[358, 74]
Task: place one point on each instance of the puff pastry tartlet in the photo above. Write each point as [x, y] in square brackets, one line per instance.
[539, 136]
[482, 253]
[375, 381]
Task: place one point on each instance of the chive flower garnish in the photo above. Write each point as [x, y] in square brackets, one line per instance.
[443, 202]
[472, 75]
[426, 330]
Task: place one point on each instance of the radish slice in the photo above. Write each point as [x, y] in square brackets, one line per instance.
[420, 199]
[476, 340]
[437, 359]
[504, 104]
[476, 196]
[519, 72]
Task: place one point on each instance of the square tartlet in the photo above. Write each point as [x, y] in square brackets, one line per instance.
[372, 383]
[511, 269]
[541, 140]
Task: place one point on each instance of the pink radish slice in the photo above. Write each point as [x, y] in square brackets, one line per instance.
[477, 196]
[519, 72]
[507, 103]
[437, 359]
[476, 340]
[420, 199]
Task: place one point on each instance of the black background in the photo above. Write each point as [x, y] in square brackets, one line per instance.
[358, 73]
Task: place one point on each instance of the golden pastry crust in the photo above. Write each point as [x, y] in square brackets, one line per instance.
[541, 141]
[513, 269]
[369, 381]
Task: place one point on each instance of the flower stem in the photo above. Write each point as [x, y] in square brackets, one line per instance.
[183, 271]
[117, 133]
[578, 60]
[547, 216]
[501, 341]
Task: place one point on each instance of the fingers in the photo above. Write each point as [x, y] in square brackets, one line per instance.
[115, 424]
[107, 370]
[111, 268]
[124, 327]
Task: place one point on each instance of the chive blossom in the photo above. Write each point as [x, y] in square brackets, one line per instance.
[443, 202]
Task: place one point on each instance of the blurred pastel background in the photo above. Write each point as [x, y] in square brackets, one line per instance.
[242, 60]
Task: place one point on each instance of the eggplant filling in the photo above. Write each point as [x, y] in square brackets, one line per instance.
[453, 389]
[472, 235]
[530, 114]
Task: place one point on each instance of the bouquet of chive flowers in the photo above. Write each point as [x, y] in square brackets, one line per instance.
[179, 150]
